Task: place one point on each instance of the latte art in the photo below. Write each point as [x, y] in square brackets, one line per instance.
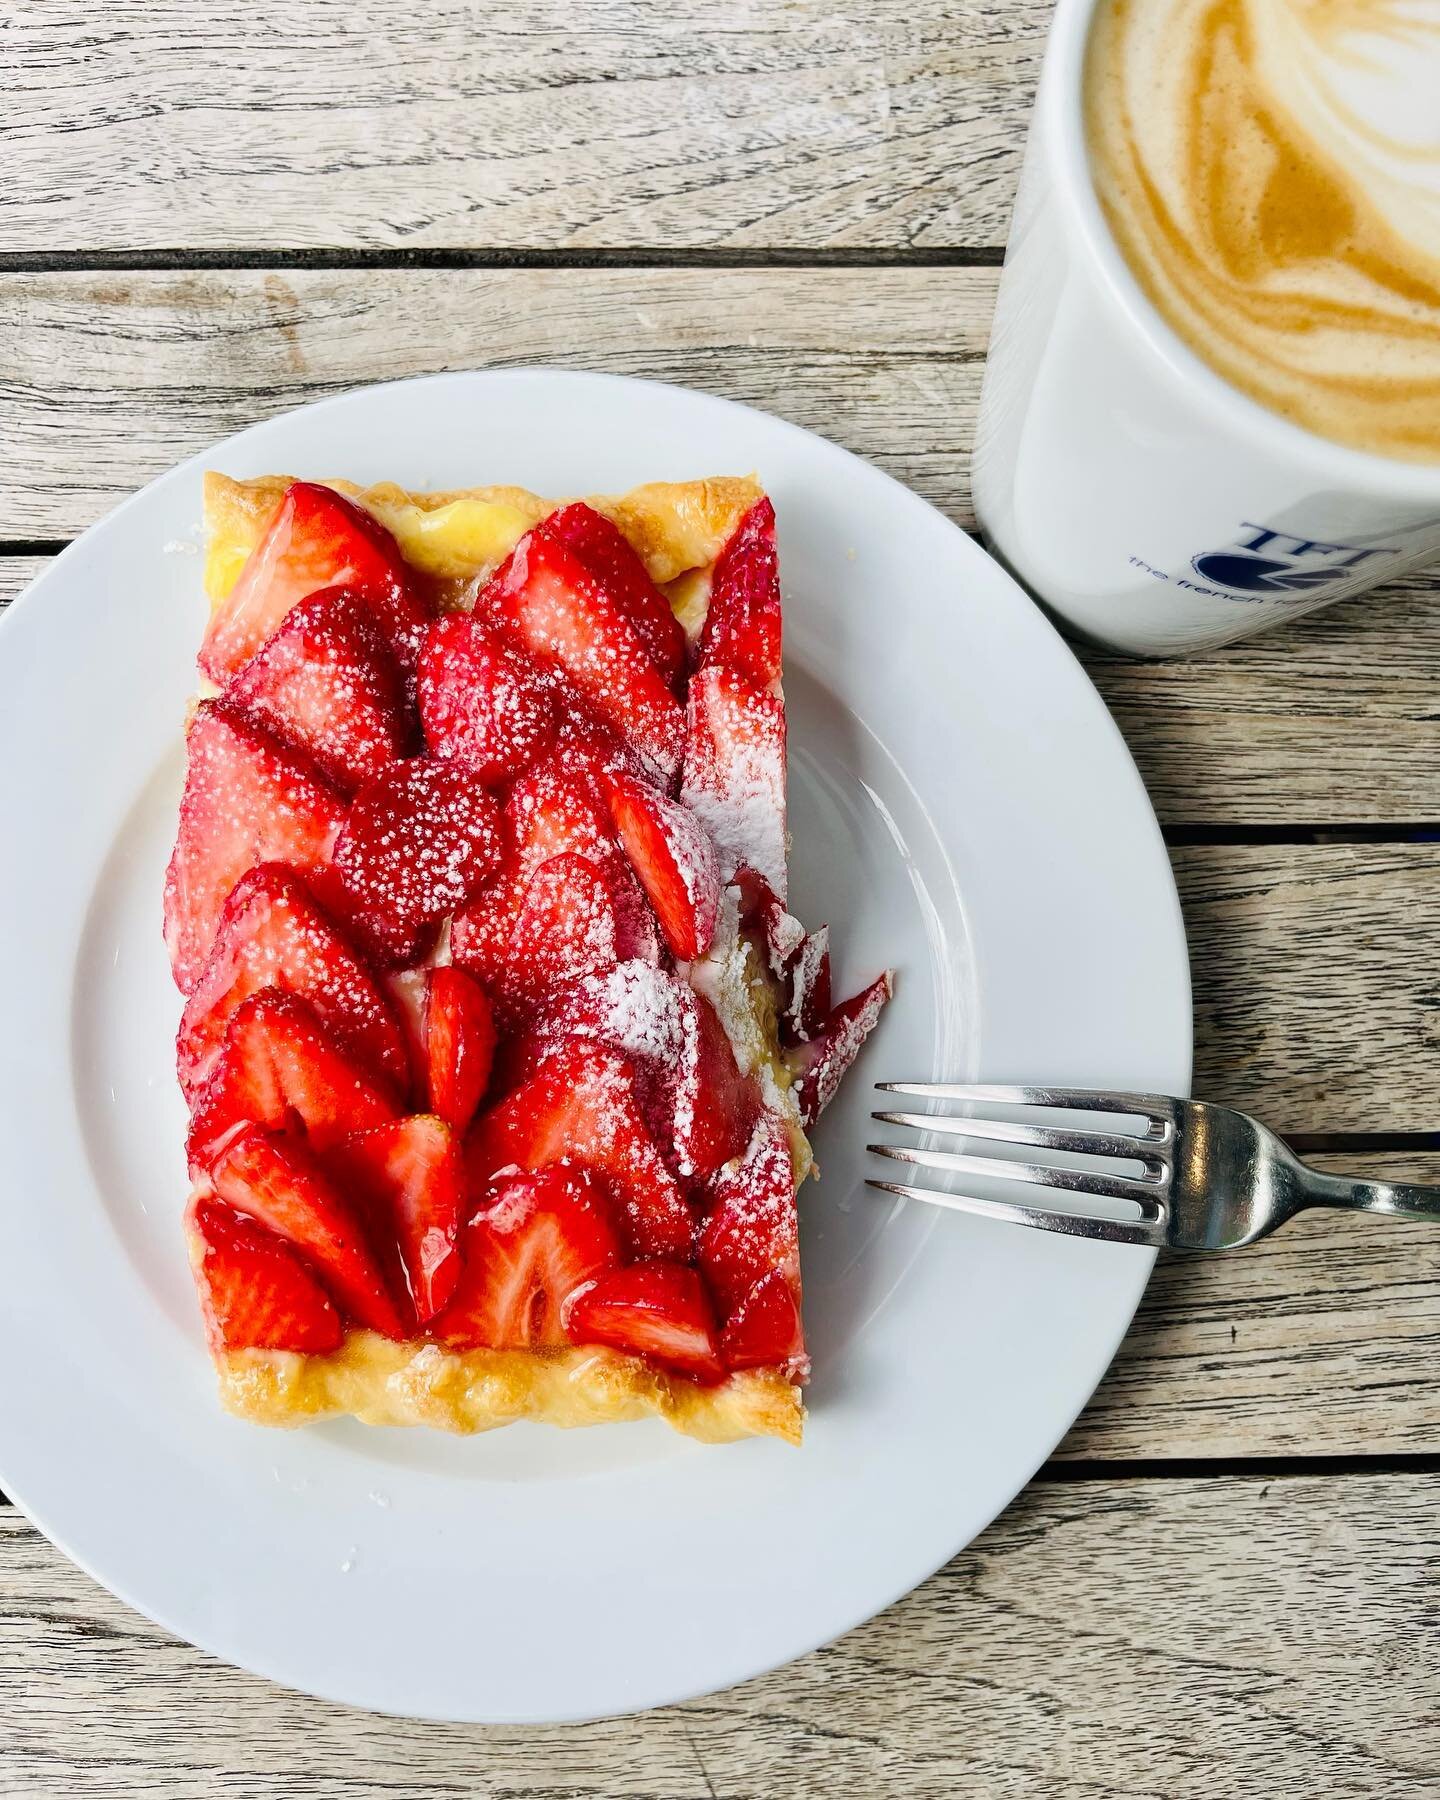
[1271, 171]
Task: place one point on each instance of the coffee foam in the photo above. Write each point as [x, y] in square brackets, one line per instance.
[1271, 171]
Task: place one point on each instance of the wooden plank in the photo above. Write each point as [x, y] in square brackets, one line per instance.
[606, 125]
[1316, 1001]
[112, 379]
[1330, 719]
[1319, 1341]
[1047, 1662]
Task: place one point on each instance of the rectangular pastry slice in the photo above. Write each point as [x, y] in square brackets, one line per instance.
[499, 1043]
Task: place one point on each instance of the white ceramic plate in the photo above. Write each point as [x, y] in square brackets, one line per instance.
[962, 807]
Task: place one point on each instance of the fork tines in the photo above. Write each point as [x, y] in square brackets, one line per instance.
[1147, 1148]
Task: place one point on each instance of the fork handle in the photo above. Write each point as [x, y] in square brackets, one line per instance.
[1403, 1200]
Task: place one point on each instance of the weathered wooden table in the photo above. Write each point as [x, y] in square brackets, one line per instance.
[1224, 1583]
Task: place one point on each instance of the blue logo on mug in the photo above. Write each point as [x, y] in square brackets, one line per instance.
[1270, 564]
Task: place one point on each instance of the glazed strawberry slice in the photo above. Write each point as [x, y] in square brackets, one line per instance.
[808, 1002]
[715, 1103]
[273, 934]
[278, 1182]
[798, 960]
[765, 1332]
[820, 1065]
[566, 927]
[605, 551]
[534, 1240]
[752, 1227]
[586, 748]
[581, 1106]
[256, 1291]
[734, 771]
[277, 1067]
[316, 539]
[247, 800]
[658, 1310]
[778, 933]
[481, 702]
[742, 626]
[554, 606]
[634, 1009]
[452, 1039]
[408, 1180]
[326, 684]
[674, 856]
[420, 839]
[698, 1107]
[551, 813]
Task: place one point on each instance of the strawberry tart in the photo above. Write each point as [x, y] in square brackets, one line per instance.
[499, 1043]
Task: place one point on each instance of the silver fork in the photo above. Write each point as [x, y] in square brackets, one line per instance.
[1209, 1178]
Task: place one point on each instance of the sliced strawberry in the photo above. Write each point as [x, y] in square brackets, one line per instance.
[246, 800]
[277, 1065]
[550, 813]
[420, 839]
[698, 1107]
[586, 748]
[734, 774]
[658, 1310]
[605, 551]
[316, 539]
[764, 1331]
[820, 1065]
[535, 1239]
[327, 684]
[807, 999]
[482, 702]
[480, 934]
[716, 1106]
[634, 1009]
[566, 927]
[780, 933]
[552, 810]
[798, 960]
[256, 1292]
[742, 627]
[549, 600]
[459, 1045]
[752, 1226]
[581, 1106]
[408, 1179]
[450, 1028]
[277, 1181]
[675, 858]
[273, 934]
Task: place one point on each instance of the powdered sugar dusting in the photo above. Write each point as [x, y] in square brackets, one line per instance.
[734, 772]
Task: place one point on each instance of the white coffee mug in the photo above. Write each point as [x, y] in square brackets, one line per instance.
[1129, 486]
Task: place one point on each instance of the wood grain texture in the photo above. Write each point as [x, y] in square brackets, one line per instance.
[1331, 719]
[1321, 1340]
[114, 378]
[604, 124]
[1317, 1004]
[1153, 1640]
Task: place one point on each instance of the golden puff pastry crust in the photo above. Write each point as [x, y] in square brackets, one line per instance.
[452, 538]
[421, 1383]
